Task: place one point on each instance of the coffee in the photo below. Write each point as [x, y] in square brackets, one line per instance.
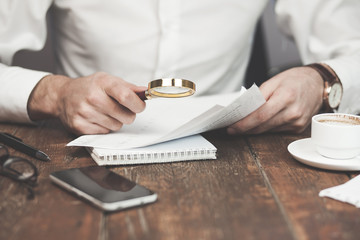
[341, 120]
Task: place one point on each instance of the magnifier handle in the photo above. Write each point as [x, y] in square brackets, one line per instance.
[142, 95]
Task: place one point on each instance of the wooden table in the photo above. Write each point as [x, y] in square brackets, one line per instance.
[254, 190]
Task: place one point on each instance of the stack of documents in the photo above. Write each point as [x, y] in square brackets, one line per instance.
[169, 119]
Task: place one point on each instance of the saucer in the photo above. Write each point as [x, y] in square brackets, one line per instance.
[304, 151]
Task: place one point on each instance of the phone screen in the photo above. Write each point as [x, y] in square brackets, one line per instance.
[103, 187]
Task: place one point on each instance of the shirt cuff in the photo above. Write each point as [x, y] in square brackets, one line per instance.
[348, 72]
[16, 85]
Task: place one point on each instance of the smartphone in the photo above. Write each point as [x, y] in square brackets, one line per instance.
[104, 188]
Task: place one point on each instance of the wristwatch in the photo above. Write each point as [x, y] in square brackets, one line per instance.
[333, 89]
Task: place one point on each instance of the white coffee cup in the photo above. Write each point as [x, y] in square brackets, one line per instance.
[336, 135]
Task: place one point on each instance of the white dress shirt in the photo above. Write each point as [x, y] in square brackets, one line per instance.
[206, 41]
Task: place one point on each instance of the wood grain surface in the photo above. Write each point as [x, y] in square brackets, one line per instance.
[253, 190]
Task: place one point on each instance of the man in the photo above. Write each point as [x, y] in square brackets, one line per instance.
[107, 50]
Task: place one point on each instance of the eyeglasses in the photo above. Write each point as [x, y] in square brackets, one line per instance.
[18, 169]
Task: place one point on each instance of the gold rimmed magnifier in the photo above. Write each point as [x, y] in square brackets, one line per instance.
[168, 88]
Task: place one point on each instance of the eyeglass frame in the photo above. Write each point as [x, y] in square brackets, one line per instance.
[5, 162]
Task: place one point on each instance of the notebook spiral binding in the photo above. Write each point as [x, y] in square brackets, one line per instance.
[194, 154]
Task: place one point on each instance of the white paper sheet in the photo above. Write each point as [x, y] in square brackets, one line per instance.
[348, 192]
[166, 119]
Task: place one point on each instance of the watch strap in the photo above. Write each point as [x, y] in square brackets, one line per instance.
[329, 78]
[325, 73]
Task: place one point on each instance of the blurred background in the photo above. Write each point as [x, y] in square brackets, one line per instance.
[272, 52]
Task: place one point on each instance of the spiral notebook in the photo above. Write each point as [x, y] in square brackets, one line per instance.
[194, 147]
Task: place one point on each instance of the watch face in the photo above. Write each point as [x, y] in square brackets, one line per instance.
[335, 95]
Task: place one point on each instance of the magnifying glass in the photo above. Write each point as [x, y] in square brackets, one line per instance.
[168, 88]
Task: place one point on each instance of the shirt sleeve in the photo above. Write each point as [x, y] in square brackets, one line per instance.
[23, 26]
[328, 32]
[16, 86]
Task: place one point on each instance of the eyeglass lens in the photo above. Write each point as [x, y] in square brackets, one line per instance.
[4, 153]
[18, 169]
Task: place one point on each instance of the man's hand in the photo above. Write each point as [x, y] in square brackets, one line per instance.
[98, 103]
[292, 98]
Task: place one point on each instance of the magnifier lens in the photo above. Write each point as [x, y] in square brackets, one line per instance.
[170, 90]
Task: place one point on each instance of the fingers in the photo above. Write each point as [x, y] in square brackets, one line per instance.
[87, 120]
[125, 94]
[106, 107]
[268, 88]
[98, 103]
[292, 97]
[259, 120]
[284, 121]
[127, 98]
[87, 128]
